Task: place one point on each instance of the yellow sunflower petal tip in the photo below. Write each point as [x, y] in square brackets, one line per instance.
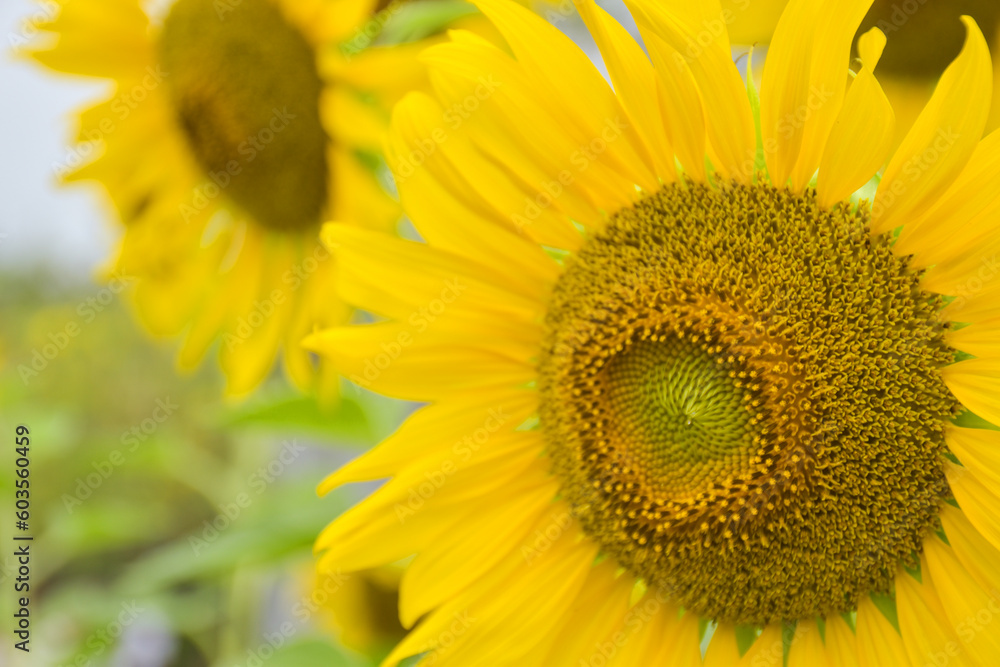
[870, 47]
[329, 483]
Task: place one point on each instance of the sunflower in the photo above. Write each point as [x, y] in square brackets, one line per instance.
[689, 397]
[360, 608]
[234, 129]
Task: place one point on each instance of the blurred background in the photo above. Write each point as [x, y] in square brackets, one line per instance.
[170, 527]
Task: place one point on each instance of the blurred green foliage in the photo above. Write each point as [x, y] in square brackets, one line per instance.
[170, 527]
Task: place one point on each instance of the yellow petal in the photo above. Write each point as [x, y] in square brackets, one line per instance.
[662, 638]
[979, 339]
[697, 34]
[785, 87]
[752, 21]
[507, 621]
[598, 620]
[841, 643]
[644, 628]
[421, 502]
[970, 608]
[388, 71]
[961, 221]
[861, 138]
[681, 646]
[464, 427]
[976, 383]
[924, 625]
[634, 79]
[351, 120]
[975, 296]
[398, 278]
[385, 538]
[231, 287]
[251, 342]
[487, 94]
[587, 103]
[980, 558]
[942, 140]
[807, 647]
[410, 361]
[457, 558]
[976, 501]
[680, 102]
[722, 649]
[879, 644]
[356, 194]
[767, 650]
[979, 451]
[833, 35]
[476, 221]
[104, 39]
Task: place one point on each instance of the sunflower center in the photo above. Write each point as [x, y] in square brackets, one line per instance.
[679, 410]
[741, 396]
[246, 92]
[924, 36]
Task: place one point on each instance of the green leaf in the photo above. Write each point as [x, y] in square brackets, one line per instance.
[280, 522]
[746, 635]
[408, 22]
[348, 423]
[886, 605]
[969, 419]
[311, 652]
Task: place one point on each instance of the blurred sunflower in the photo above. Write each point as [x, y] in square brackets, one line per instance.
[360, 608]
[923, 37]
[679, 397]
[236, 128]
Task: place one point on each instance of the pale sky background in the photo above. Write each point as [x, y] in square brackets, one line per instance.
[62, 229]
